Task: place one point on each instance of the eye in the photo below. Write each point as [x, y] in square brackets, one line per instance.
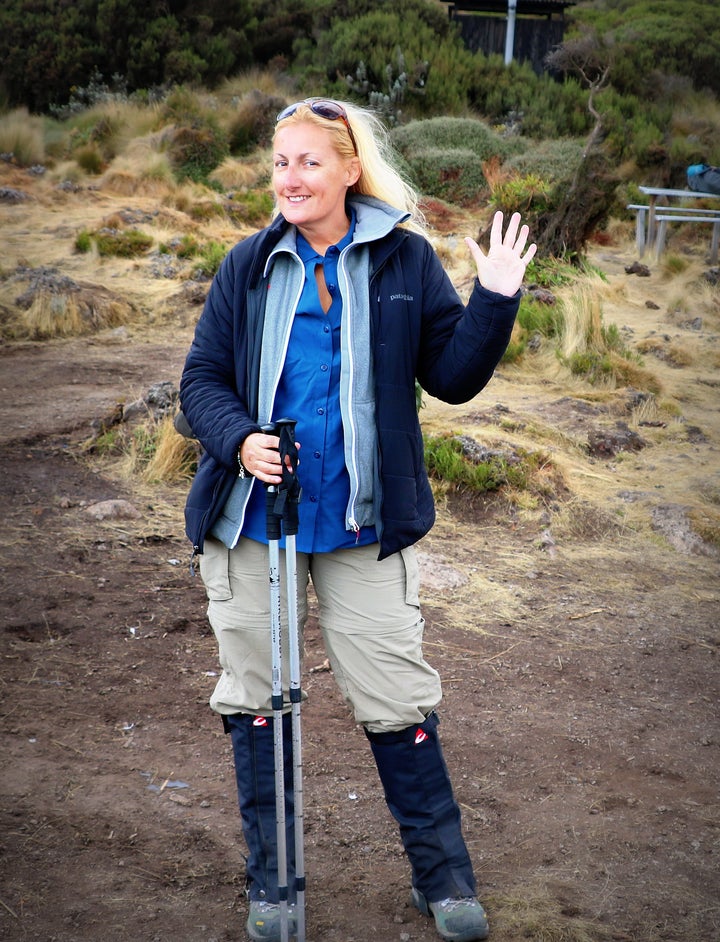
[280, 162]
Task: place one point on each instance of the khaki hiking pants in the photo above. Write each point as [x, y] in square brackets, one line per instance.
[369, 614]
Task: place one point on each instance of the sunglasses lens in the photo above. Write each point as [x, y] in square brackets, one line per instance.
[329, 110]
[286, 112]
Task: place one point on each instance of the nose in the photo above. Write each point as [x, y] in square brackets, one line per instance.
[291, 177]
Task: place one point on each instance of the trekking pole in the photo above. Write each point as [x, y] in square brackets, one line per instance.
[272, 523]
[290, 527]
[282, 506]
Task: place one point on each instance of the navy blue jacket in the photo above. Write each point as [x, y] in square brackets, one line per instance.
[419, 329]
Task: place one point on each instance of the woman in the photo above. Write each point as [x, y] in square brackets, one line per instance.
[329, 315]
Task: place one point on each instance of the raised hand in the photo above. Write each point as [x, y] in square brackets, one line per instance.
[503, 268]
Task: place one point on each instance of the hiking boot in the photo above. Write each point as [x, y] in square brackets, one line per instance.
[456, 920]
[263, 923]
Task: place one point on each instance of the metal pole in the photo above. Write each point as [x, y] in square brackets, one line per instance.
[295, 700]
[273, 534]
[282, 505]
[510, 32]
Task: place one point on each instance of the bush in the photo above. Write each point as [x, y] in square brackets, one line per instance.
[90, 159]
[254, 123]
[453, 175]
[528, 194]
[251, 208]
[211, 256]
[128, 243]
[450, 134]
[83, 242]
[552, 160]
[196, 150]
[438, 66]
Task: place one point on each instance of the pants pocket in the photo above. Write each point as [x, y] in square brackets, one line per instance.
[215, 570]
[412, 576]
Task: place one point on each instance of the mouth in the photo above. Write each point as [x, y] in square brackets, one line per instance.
[297, 199]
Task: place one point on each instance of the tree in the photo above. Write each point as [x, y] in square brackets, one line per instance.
[586, 203]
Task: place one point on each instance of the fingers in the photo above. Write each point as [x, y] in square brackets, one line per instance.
[259, 454]
[514, 239]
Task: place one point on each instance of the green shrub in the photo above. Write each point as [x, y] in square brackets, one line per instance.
[251, 208]
[83, 242]
[211, 256]
[438, 66]
[182, 106]
[188, 247]
[446, 461]
[523, 195]
[535, 317]
[253, 124]
[552, 160]
[197, 149]
[453, 175]
[591, 365]
[126, 243]
[470, 467]
[551, 272]
[468, 134]
[89, 158]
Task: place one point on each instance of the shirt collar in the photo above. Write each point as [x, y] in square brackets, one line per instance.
[307, 252]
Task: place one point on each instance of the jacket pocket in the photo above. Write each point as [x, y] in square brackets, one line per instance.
[215, 570]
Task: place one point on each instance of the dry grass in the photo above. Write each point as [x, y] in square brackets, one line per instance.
[175, 457]
[153, 452]
[583, 319]
[535, 915]
[22, 135]
[70, 313]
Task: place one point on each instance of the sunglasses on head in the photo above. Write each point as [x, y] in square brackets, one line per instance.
[324, 108]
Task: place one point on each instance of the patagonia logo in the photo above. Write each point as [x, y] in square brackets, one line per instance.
[401, 297]
[260, 721]
[420, 736]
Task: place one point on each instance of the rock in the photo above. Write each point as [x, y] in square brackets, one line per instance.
[113, 510]
[438, 575]
[637, 268]
[605, 443]
[10, 195]
[672, 521]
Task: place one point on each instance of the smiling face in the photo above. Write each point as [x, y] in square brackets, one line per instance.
[311, 181]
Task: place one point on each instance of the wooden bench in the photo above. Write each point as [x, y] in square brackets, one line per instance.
[648, 221]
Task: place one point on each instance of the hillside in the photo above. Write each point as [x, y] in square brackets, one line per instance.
[575, 626]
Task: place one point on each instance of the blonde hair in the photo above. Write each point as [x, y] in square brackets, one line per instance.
[379, 176]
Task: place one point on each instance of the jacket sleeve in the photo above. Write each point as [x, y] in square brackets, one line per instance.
[460, 346]
[212, 386]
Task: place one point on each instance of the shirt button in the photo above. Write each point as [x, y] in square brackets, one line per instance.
[313, 499]
[324, 368]
[326, 329]
[321, 411]
[331, 288]
[316, 454]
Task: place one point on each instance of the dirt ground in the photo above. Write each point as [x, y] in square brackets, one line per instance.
[578, 646]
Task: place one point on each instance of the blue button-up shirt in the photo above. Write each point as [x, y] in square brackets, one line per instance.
[309, 391]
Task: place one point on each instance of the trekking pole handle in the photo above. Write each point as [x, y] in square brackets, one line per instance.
[282, 500]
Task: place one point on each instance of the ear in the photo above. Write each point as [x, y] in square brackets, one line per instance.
[353, 171]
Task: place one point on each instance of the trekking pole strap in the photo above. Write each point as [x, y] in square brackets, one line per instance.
[287, 493]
